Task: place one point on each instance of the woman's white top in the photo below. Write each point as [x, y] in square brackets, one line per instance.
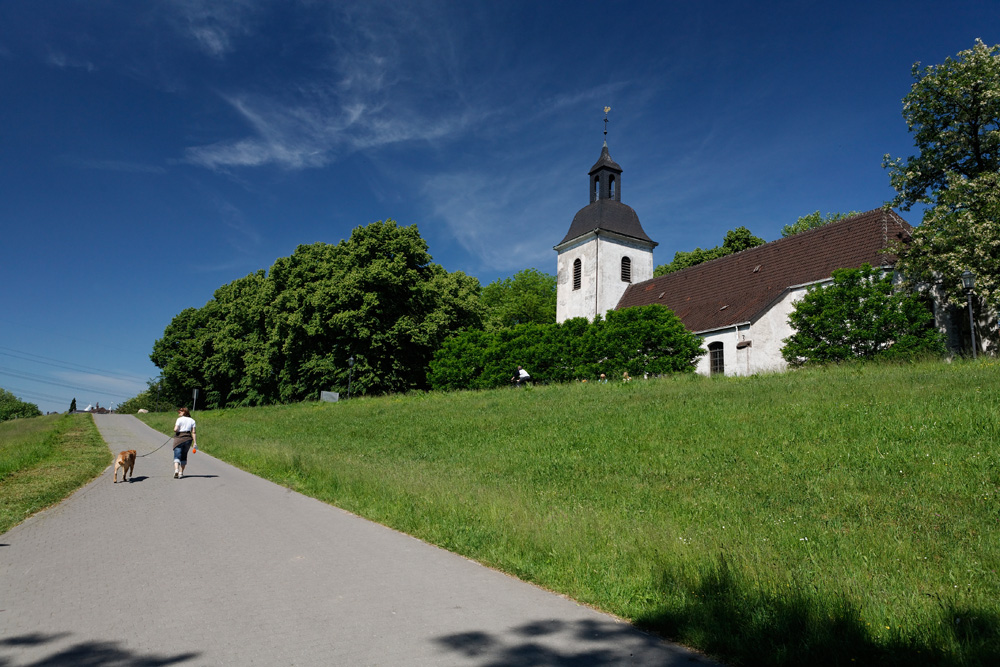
[184, 424]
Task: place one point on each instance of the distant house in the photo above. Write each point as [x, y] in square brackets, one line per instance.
[739, 304]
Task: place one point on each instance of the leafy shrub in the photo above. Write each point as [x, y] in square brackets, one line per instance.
[11, 407]
[647, 339]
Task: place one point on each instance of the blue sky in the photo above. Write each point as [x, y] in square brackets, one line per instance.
[151, 152]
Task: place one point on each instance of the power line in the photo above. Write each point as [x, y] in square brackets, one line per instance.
[35, 396]
[66, 365]
[37, 378]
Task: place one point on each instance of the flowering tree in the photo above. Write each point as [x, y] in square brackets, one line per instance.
[961, 232]
[953, 111]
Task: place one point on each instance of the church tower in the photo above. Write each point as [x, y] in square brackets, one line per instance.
[605, 249]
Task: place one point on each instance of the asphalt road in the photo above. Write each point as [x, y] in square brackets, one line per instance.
[224, 568]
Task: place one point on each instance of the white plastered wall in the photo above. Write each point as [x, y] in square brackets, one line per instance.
[766, 336]
[601, 285]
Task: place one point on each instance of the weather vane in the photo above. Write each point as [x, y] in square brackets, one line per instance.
[606, 110]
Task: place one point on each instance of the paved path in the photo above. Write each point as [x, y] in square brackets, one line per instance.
[224, 568]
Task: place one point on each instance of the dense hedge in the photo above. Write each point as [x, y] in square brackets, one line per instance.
[648, 339]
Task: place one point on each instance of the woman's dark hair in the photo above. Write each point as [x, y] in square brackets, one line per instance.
[184, 411]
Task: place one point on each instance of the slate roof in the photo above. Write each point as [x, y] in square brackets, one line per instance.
[741, 287]
[606, 215]
[605, 162]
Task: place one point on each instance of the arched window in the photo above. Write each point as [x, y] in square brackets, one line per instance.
[716, 359]
[597, 188]
[626, 269]
[577, 273]
[613, 186]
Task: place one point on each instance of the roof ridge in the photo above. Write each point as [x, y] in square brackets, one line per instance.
[807, 231]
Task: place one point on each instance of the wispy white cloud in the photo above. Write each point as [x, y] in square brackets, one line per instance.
[386, 75]
[244, 237]
[507, 222]
[215, 26]
[64, 61]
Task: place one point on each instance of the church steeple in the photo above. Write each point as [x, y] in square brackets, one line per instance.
[605, 178]
[604, 250]
[605, 175]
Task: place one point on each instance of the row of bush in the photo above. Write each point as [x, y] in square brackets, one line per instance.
[649, 339]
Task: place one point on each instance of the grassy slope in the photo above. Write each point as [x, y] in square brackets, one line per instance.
[818, 516]
[43, 460]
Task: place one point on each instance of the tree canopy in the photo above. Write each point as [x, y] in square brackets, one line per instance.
[736, 240]
[812, 221]
[953, 112]
[527, 296]
[961, 232]
[11, 407]
[284, 336]
[861, 315]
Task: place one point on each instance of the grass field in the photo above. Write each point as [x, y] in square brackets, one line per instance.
[833, 516]
[43, 460]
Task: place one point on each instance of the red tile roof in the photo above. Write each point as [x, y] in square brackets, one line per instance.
[741, 287]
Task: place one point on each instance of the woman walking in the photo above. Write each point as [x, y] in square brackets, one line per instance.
[183, 441]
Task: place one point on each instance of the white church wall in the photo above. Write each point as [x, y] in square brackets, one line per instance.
[601, 284]
[765, 336]
[611, 250]
[734, 360]
[570, 302]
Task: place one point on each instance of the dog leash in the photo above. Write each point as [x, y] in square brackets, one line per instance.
[157, 449]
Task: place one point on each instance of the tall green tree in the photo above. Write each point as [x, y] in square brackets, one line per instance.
[181, 354]
[953, 112]
[736, 240]
[812, 221]
[11, 407]
[376, 297]
[861, 315]
[286, 335]
[527, 296]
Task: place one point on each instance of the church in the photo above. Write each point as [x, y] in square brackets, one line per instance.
[739, 304]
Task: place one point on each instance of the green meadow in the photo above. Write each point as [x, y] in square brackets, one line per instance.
[838, 516]
[842, 515]
[43, 460]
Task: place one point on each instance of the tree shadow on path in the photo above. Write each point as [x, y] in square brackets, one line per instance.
[85, 653]
[554, 643]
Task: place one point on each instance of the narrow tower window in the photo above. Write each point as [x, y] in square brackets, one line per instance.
[597, 188]
[613, 186]
[577, 273]
[716, 359]
[626, 269]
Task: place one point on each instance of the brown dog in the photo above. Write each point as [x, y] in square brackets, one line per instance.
[125, 461]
